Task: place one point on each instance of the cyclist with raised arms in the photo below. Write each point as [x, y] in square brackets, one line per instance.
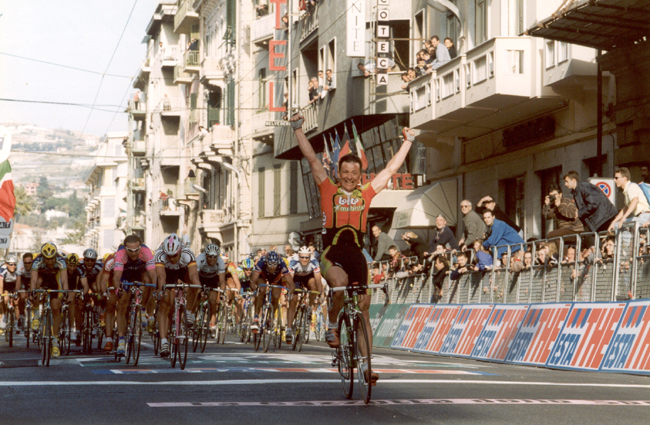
[212, 273]
[306, 274]
[49, 271]
[174, 263]
[344, 209]
[272, 270]
[133, 262]
[8, 284]
[76, 281]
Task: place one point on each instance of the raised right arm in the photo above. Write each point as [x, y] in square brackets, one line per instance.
[317, 169]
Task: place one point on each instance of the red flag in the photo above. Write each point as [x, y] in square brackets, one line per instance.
[346, 144]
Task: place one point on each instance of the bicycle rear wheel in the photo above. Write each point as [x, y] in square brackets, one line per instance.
[65, 331]
[183, 339]
[28, 324]
[171, 336]
[222, 323]
[10, 329]
[87, 333]
[205, 328]
[47, 339]
[362, 351]
[198, 329]
[304, 328]
[345, 354]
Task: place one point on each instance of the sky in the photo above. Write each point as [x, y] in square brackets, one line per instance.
[77, 33]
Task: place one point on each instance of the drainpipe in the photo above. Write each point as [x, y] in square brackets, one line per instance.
[237, 136]
[599, 116]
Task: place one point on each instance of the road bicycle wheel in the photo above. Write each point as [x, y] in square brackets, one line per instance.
[277, 329]
[222, 321]
[259, 335]
[64, 332]
[362, 351]
[247, 320]
[183, 339]
[46, 343]
[205, 328]
[87, 333]
[345, 354]
[9, 331]
[307, 325]
[28, 324]
[297, 329]
[171, 336]
[129, 335]
[318, 326]
[198, 329]
[267, 325]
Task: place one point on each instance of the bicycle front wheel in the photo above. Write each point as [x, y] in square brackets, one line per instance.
[65, 332]
[171, 336]
[129, 336]
[137, 337]
[297, 330]
[345, 354]
[27, 319]
[267, 325]
[198, 329]
[10, 329]
[47, 339]
[87, 332]
[183, 339]
[205, 327]
[222, 323]
[362, 351]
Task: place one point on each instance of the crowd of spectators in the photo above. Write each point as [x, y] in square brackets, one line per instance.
[489, 239]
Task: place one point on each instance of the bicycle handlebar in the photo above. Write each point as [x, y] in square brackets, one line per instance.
[343, 288]
[151, 285]
[181, 285]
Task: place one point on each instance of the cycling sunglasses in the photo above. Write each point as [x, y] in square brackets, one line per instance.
[133, 249]
[305, 257]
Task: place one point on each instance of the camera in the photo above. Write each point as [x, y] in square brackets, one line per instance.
[551, 198]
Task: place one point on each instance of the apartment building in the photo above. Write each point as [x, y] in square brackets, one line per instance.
[106, 205]
[511, 113]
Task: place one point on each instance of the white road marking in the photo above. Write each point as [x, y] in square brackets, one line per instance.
[463, 401]
[314, 382]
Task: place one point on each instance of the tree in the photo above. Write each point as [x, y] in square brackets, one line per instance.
[43, 193]
[38, 241]
[76, 237]
[24, 204]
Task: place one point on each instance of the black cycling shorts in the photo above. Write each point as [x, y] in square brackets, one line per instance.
[173, 275]
[9, 286]
[301, 281]
[350, 259]
[210, 282]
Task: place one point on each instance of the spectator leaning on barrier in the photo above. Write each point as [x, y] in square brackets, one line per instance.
[636, 204]
[565, 212]
[594, 209]
[473, 225]
[440, 270]
[500, 234]
[417, 247]
[461, 267]
[442, 235]
[383, 244]
[483, 258]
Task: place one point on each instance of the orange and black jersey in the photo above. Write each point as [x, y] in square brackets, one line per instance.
[345, 215]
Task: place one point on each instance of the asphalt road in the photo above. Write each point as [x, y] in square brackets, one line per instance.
[231, 383]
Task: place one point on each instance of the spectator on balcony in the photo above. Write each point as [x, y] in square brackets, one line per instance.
[321, 77]
[384, 242]
[261, 10]
[406, 79]
[329, 80]
[285, 21]
[500, 235]
[645, 174]
[636, 204]
[472, 226]
[164, 197]
[488, 203]
[361, 67]
[167, 104]
[563, 210]
[449, 44]
[422, 68]
[313, 90]
[442, 235]
[594, 209]
[442, 54]
[136, 100]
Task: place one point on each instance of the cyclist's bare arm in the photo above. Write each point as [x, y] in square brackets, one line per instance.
[290, 284]
[162, 276]
[153, 276]
[117, 279]
[318, 278]
[84, 283]
[194, 274]
[381, 180]
[235, 280]
[222, 281]
[19, 282]
[34, 280]
[317, 169]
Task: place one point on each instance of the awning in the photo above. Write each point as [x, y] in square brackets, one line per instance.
[601, 24]
[421, 207]
[389, 198]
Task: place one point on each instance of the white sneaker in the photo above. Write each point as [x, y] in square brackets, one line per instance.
[190, 319]
[3, 322]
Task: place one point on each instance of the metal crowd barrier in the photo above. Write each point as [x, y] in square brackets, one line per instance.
[615, 268]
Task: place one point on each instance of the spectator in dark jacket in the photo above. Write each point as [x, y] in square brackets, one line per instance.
[450, 47]
[594, 209]
[563, 210]
[417, 247]
[442, 235]
[488, 203]
[473, 226]
[383, 244]
[440, 270]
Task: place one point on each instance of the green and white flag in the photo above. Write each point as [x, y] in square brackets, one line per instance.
[7, 197]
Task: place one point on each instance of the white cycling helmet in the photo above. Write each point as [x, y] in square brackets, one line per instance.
[212, 250]
[172, 245]
[11, 259]
[304, 250]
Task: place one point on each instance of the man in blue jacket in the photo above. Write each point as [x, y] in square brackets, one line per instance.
[500, 234]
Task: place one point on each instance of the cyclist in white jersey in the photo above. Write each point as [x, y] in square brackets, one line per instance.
[212, 273]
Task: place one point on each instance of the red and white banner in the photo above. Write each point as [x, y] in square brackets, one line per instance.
[467, 327]
[587, 332]
[411, 326]
[501, 328]
[629, 350]
[539, 329]
[436, 326]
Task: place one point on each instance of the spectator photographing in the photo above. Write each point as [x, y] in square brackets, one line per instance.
[565, 212]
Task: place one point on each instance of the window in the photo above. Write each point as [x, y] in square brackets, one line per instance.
[480, 70]
[562, 52]
[513, 195]
[419, 33]
[230, 113]
[277, 189]
[293, 187]
[481, 22]
[261, 191]
[214, 107]
[193, 115]
[262, 89]
[331, 63]
[550, 54]
[515, 61]
[520, 17]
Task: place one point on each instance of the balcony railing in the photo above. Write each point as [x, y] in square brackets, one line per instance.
[308, 23]
[214, 218]
[191, 61]
[138, 107]
[181, 76]
[169, 55]
[185, 17]
[138, 184]
[262, 28]
[168, 206]
[310, 112]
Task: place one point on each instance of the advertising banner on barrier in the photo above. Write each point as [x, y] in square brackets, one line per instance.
[467, 327]
[390, 321]
[540, 327]
[376, 312]
[499, 331]
[587, 331]
[436, 326]
[411, 326]
[629, 350]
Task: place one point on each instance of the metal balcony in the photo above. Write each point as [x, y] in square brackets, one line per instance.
[262, 29]
[185, 17]
[168, 56]
[191, 61]
[260, 130]
[308, 24]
